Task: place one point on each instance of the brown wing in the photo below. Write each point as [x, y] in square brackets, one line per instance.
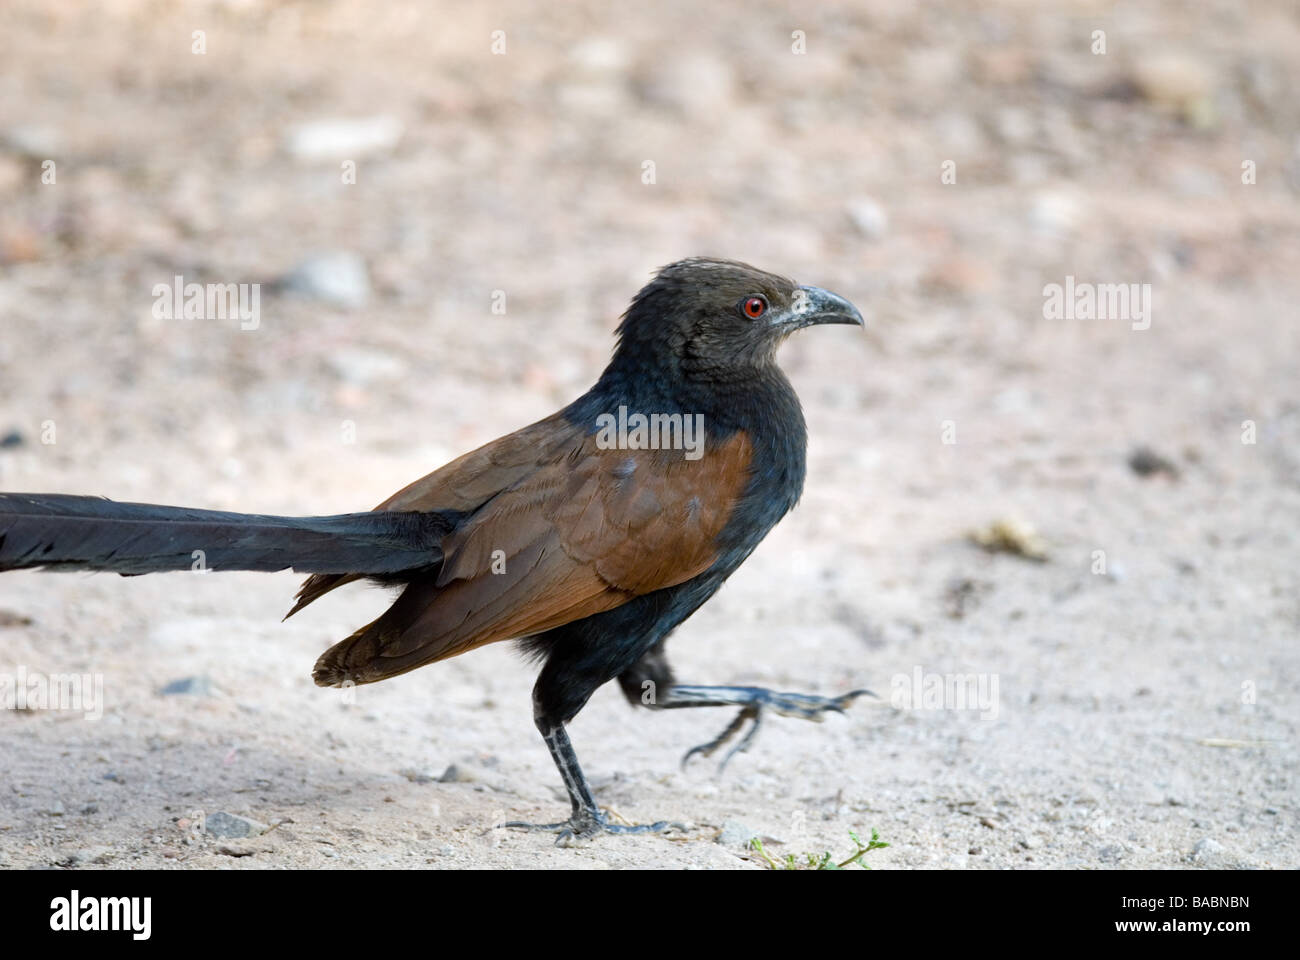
[572, 530]
[464, 485]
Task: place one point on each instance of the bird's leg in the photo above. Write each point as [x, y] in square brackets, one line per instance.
[586, 820]
[753, 701]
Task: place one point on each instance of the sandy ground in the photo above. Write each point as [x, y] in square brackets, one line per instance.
[1146, 711]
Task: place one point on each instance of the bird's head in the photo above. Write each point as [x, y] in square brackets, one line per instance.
[719, 319]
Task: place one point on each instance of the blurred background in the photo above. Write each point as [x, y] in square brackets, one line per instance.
[392, 173]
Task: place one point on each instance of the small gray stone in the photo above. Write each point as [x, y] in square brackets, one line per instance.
[1055, 212]
[456, 774]
[199, 686]
[231, 850]
[32, 141]
[228, 825]
[1145, 462]
[1112, 853]
[1206, 847]
[337, 277]
[417, 776]
[98, 855]
[735, 834]
[869, 217]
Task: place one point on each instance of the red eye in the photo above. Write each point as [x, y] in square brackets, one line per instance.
[754, 307]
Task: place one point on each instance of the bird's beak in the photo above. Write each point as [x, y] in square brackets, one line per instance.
[814, 305]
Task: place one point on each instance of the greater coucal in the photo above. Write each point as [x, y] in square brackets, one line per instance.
[587, 541]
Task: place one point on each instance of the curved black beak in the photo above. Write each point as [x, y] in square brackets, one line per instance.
[813, 305]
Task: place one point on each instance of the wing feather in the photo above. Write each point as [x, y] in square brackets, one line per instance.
[566, 532]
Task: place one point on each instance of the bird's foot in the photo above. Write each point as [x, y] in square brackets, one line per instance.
[586, 824]
[754, 702]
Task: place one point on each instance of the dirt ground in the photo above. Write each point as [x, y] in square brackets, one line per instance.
[1146, 669]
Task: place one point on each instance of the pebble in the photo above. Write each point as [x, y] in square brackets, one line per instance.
[1055, 211]
[595, 84]
[869, 218]
[84, 855]
[1145, 462]
[343, 138]
[1112, 853]
[599, 55]
[336, 277]
[1206, 847]
[1179, 83]
[230, 850]
[696, 84]
[229, 825]
[735, 834]
[38, 142]
[417, 776]
[198, 686]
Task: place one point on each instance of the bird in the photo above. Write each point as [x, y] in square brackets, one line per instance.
[588, 536]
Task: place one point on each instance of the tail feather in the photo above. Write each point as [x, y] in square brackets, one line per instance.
[62, 532]
[359, 658]
[319, 584]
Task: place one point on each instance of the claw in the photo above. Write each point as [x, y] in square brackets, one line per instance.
[708, 749]
[802, 705]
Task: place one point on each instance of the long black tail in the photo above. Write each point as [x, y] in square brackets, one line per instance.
[61, 532]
